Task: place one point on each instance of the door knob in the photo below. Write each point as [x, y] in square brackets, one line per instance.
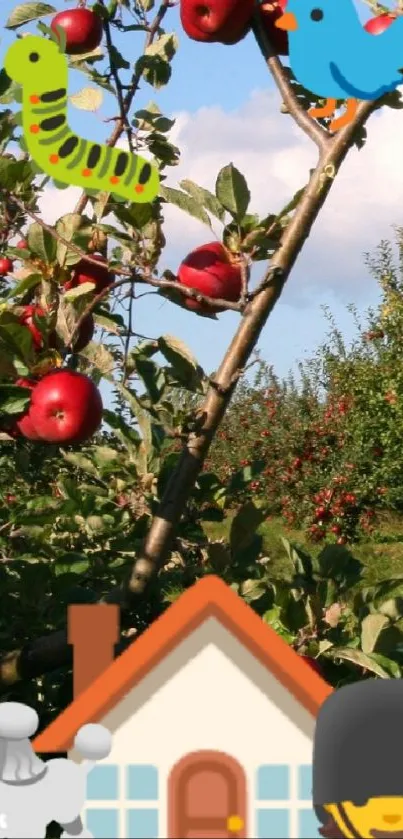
[234, 824]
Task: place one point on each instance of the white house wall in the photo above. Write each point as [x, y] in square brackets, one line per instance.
[210, 693]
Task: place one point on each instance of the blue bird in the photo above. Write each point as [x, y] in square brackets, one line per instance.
[332, 55]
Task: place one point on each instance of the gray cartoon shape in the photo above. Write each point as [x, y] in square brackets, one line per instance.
[34, 792]
[358, 744]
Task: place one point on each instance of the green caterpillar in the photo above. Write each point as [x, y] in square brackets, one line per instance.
[34, 63]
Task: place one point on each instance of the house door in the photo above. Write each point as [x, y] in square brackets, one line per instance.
[207, 797]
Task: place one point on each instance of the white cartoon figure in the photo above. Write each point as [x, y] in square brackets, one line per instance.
[33, 792]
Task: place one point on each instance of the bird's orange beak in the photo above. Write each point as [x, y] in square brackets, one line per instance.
[287, 21]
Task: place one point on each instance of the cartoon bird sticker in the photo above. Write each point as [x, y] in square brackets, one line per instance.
[332, 55]
[358, 761]
[42, 70]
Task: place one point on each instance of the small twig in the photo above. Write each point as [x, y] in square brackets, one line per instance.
[133, 87]
[244, 279]
[118, 84]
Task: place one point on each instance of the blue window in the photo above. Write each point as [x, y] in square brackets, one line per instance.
[103, 824]
[142, 783]
[305, 783]
[102, 783]
[273, 824]
[273, 783]
[142, 824]
[308, 825]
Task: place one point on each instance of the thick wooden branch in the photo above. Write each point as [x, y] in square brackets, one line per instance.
[159, 540]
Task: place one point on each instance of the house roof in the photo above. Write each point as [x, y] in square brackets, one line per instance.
[209, 597]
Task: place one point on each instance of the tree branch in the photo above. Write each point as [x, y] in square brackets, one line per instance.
[159, 540]
[315, 131]
[128, 275]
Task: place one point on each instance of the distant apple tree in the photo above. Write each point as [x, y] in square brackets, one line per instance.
[122, 513]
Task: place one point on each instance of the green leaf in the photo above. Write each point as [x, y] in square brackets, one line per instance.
[87, 99]
[100, 357]
[85, 289]
[72, 227]
[24, 285]
[13, 399]
[27, 12]
[371, 628]
[81, 462]
[152, 375]
[186, 203]
[17, 339]
[244, 526]
[154, 65]
[252, 590]
[365, 661]
[232, 191]
[204, 198]
[184, 365]
[42, 243]
[146, 5]
[76, 566]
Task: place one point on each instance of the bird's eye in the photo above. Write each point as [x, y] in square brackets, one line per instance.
[316, 14]
[34, 57]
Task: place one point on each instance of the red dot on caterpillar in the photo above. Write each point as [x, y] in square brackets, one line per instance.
[139, 188]
[86, 173]
[114, 179]
[34, 100]
[34, 129]
[54, 158]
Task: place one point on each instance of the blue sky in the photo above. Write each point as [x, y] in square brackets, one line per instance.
[224, 95]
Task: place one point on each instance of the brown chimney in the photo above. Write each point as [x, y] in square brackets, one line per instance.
[93, 632]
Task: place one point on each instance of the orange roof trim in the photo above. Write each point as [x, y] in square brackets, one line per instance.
[209, 597]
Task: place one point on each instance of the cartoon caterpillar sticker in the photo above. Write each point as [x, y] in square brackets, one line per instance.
[42, 70]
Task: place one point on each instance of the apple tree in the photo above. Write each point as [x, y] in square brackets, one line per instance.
[117, 512]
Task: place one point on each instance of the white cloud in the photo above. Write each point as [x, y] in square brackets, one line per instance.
[275, 156]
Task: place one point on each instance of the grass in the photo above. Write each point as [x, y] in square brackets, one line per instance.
[382, 556]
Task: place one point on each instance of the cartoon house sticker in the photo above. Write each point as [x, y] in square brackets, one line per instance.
[212, 716]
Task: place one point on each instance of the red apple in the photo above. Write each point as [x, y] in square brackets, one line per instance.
[270, 12]
[210, 270]
[87, 272]
[66, 407]
[29, 313]
[377, 25]
[221, 21]
[82, 27]
[5, 266]
[24, 424]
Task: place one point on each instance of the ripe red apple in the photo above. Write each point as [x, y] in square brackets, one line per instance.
[5, 266]
[24, 425]
[270, 12]
[210, 270]
[82, 27]
[66, 407]
[378, 24]
[87, 272]
[27, 319]
[221, 21]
